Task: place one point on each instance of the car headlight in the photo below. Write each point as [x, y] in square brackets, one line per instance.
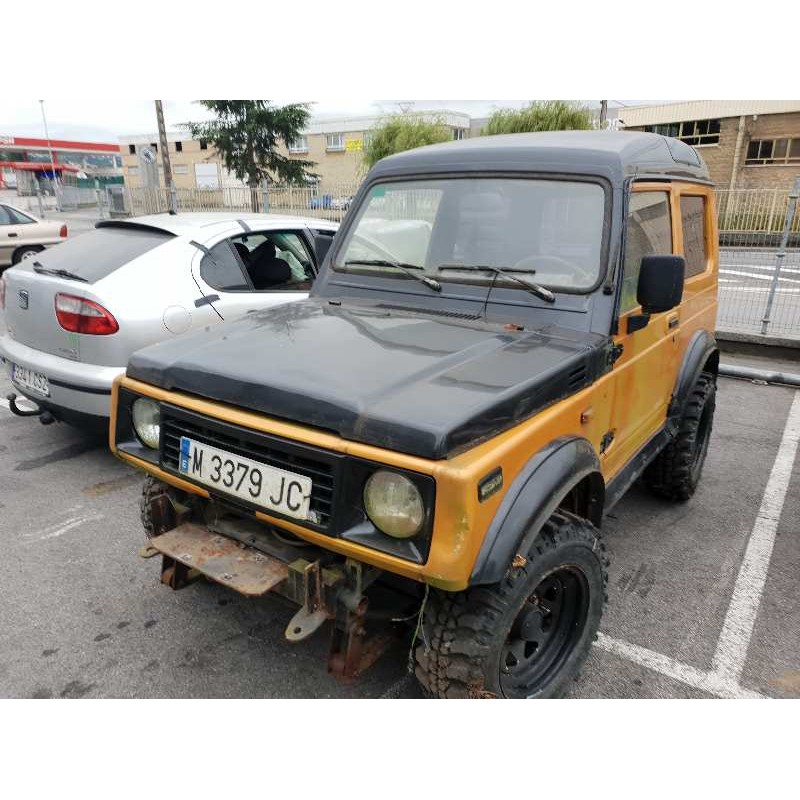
[147, 421]
[394, 504]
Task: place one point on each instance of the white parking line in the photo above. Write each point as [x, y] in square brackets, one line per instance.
[737, 629]
[57, 529]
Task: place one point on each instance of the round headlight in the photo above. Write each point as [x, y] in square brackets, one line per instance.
[394, 504]
[147, 421]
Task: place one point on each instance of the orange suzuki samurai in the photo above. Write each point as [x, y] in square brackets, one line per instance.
[507, 332]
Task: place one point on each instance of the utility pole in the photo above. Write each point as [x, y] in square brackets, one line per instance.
[163, 144]
[52, 160]
[603, 113]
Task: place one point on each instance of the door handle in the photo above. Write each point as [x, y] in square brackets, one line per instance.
[12, 235]
[673, 321]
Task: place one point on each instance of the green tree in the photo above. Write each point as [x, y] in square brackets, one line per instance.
[540, 115]
[246, 133]
[401, 132]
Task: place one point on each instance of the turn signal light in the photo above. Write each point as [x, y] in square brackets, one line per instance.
[79, 315]
[63, 232]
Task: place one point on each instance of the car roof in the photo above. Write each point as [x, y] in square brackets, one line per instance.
[187, 223]
[615, 154]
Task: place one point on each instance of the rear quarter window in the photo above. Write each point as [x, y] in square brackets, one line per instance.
[693, 216]
[98, 253]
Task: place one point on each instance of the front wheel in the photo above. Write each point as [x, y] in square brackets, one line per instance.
[527, 636]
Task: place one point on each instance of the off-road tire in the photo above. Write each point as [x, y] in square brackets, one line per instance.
[151, 489]
[465, 633]
[675, 472]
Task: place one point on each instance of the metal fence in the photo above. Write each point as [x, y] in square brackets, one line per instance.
[759, 275]
[759, 229]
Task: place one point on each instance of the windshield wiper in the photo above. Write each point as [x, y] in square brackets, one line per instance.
[431, 283]
[59, 273]
[533, 288]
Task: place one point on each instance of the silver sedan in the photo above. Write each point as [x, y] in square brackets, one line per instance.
[74, 314]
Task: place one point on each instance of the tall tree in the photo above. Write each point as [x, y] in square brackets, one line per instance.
[540, 115]
[247, 133]
[401, 132]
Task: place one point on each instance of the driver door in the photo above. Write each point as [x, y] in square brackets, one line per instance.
[645, 373]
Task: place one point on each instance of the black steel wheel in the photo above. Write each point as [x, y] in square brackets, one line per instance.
[527, 636]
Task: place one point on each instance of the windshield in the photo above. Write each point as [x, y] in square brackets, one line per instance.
[549, 231]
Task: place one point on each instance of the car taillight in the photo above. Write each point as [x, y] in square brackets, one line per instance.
[79, 315]
[63, 232]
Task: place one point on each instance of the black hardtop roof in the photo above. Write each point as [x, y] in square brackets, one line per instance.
[616, 155]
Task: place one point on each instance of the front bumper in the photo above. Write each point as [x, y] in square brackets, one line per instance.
[81, 388]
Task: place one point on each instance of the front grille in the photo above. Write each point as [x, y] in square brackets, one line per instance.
[270, 450]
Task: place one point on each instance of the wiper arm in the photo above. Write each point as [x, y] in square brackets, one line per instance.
[533, 288]
[431, 283]
[59, 273]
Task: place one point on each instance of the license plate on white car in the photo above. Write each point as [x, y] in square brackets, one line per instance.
[269, 487]
[32, 381]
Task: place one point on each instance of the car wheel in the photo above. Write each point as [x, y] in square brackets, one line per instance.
[527, 636]
[675, 472]
[24, 253]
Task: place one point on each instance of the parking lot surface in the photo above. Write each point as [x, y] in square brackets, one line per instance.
[703, 596]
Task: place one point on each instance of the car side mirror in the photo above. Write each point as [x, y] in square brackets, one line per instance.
[660, 283]
[322, 244]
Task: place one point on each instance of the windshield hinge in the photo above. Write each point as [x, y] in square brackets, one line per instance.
[615, 351]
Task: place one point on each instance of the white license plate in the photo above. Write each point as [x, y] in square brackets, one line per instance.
[269, 487]
[32, 381]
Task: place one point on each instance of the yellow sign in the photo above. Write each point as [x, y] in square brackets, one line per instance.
[354, 145]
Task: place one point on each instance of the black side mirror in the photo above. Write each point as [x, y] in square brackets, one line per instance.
[322, 244]
[660, 283]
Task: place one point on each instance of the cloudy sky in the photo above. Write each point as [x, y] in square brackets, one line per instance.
[95, 119]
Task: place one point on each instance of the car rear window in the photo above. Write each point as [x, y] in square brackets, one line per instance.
[98, 253]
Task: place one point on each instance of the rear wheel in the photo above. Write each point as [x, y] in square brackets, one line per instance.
[527, 636]
[676, 471]
[24, 253]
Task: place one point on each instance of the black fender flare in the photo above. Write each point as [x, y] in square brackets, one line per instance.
[533, 496]
[702, 347]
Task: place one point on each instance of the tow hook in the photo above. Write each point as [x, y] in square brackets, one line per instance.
[21, 412]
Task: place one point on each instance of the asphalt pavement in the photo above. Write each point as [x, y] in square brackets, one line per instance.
[703, 596]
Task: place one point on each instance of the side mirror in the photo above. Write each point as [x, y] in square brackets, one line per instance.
[322, 244]
[660, 283]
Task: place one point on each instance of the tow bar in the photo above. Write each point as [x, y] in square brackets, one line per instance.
[45, 417]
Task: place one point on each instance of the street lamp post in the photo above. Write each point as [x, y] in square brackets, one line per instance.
[52, 160]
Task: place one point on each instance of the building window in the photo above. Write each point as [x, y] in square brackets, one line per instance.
[181, 169]
[132, 149]
[178, 147]
[334, 141]
[154, 147]
[773, 151]
[299, 145]
[459, 133]
[204, 144]
[696, 132]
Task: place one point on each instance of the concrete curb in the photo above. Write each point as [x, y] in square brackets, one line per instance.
[757, 338]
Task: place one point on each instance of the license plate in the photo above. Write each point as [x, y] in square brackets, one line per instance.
[32, 381]
[269, 487]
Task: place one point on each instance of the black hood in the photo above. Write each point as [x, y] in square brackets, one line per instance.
[418, 383]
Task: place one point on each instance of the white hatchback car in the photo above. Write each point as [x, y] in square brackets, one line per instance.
[74, 314]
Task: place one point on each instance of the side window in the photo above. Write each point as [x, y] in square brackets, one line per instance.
[17, 218]
[693, 215]
[5, 217]
[649, 233]
[222, 269]
[276, 260]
